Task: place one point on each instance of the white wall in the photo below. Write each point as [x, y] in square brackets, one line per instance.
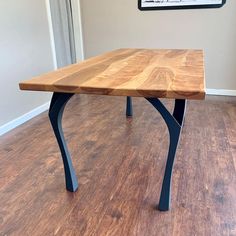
[114, 24]
[25, 51]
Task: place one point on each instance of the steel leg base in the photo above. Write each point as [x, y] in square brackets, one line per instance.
[57, 106]
[129, 107]
[174, 124]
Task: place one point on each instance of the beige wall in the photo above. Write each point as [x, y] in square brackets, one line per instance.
[25, 51]
[114, 24]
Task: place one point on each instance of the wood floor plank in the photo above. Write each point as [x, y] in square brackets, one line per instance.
[120, 164]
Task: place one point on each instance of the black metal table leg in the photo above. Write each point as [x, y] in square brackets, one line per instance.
[57, 106]
[174, 124]
[179, 111]
[129, 107]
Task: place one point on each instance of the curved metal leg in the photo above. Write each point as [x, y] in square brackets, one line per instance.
[179, 111]
[174, 124]
[129, 107]
[57, 106]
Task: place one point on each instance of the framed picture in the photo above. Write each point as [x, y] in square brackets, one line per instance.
[178, 4]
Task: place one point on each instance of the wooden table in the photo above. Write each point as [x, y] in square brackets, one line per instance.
[152, 74]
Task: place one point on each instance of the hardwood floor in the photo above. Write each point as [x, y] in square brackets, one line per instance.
[120, 164]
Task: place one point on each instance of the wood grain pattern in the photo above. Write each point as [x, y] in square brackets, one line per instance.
[120, 164]
[130, 72]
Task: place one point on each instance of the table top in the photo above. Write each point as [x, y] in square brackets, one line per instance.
[160, 73]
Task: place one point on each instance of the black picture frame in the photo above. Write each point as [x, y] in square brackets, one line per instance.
[141, 8]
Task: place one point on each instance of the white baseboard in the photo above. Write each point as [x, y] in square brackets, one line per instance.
[221, 92]
[22, 119]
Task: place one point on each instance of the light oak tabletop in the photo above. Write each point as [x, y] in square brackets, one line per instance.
[130, 72]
